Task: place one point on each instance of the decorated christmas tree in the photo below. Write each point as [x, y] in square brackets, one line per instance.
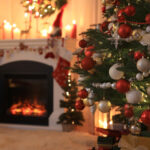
[114, 65]
[71, 116]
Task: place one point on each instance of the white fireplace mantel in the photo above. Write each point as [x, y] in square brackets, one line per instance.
[15, 54]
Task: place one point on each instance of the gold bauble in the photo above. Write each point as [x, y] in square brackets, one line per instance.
[136, 34]
[88, 102]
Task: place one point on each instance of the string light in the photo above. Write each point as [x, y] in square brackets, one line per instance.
[25, 14]
[67, 93]
[73, 21]
[49, 7]
[72, 110]
[45, 10]
[37, 13]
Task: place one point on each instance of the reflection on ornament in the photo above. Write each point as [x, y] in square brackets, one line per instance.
[115, 73]
[133, 96]
[135, 129]
[113, 85]
[104, 106]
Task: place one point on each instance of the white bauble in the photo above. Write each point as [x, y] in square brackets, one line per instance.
[104, 106]
[145, 74]
[148, 90]
[133, 96]
[148, 29]
[113, 86]
[114, 73]
[143, 65]
[139, 77]
[135, 129]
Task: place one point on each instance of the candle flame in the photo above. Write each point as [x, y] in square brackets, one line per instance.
[68, 27]
[74, 21]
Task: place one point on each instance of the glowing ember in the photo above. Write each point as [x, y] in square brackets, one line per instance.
[26, 108]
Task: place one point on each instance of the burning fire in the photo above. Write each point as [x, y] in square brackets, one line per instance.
[27, 108]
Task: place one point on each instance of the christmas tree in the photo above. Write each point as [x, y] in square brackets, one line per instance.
[71, 116]
[113, 62]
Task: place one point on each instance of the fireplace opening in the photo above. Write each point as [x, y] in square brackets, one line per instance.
[26, 94]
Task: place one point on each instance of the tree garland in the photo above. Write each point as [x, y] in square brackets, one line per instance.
[42, 8]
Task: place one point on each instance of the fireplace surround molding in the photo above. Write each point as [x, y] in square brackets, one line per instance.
[59, 48]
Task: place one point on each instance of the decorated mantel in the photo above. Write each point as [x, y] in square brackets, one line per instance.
[53, 52]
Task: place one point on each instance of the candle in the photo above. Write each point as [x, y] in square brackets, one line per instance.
[74, 30]
[3, 29]
[7, 30]
[16, 33]
[68, 30]
[12, 31]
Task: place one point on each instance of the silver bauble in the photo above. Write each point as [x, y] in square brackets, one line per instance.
[114, 73]
[145, 74]
[93, 109]
[148, 29]
[113, 86]
[139, 77]
[104, 106]
[91, 95]
[143, 65]
[148, 90]
[135, 129]
[88, 102]
[133, 96]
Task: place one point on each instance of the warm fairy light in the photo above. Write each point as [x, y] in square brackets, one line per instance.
[41, 15]
[69, 74]
[5, 21]
[44, 32]
[72, 110]
[14, 25]
[8, 26]
[68, 27]
[50, 29]
[69, 80]
[49, 7]
[45, 10]
[16, 30]
[37, 13]
[25, 14]
[67, 93]
[74, 21]
[111, 122]
[53, 8]
[27, 2]
[30, 8]
[73, 122]
[69, 84]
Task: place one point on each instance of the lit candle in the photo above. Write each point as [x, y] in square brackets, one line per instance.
[12, 31]
[7, 30]
[44, 33]
[16, 33]
[37, 22]
[3, 29]
[68, 30]
[74, 30]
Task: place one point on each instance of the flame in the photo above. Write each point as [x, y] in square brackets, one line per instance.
[26, 108]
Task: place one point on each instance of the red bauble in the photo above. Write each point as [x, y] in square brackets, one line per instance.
[88, 52]
[120, 15]
[124, 31]
[147, 18]
[130, 10]
[138, 55]
[122, 86]
[87, 63]
[104, 26]
[79, 105]
[127, 106]
[83, 93]
[82, 43]
[145, 117]
[103, 9]
[128, 113]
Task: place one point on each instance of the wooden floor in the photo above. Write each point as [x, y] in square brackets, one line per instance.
[20, 139]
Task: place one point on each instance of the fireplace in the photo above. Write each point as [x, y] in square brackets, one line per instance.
[26, 93]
